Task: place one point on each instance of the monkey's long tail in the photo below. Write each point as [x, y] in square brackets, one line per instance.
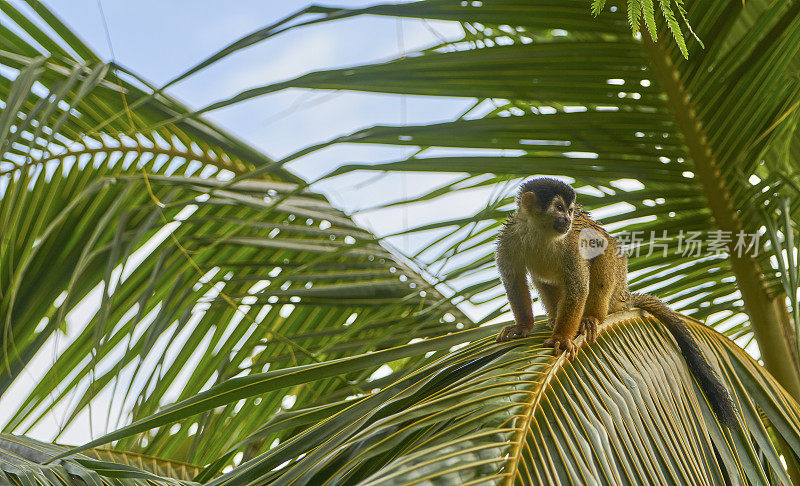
[714, 390]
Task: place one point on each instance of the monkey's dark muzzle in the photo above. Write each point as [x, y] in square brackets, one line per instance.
[561, 225]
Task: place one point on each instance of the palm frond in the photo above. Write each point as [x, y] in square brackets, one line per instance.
[590, 102]
[625, 411]
[26, 461]
[159, 262]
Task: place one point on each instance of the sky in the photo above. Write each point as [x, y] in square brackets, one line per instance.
[159, 47]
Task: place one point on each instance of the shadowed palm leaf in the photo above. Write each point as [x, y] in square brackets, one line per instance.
[27, 462]
[626, 411]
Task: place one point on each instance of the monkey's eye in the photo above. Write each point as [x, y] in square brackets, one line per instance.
[560, 207]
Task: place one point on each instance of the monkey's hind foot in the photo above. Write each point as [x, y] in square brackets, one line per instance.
[512, 332]
[559, 344]
[589, 327]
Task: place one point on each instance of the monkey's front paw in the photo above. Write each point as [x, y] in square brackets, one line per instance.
[512, 332]
[559, 344]
[589, 327]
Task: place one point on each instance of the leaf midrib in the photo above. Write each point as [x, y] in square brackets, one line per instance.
[515, 455]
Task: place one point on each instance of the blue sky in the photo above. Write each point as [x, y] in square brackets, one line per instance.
[160, 39]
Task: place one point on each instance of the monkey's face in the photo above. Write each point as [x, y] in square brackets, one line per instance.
[561, 214]
[553, 217]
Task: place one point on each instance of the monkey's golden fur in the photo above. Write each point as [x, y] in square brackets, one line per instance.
[577, 293]
[542, 240]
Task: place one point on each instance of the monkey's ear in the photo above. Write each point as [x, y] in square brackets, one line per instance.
[527, 201]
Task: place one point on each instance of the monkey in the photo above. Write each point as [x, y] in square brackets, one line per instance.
[580, 275]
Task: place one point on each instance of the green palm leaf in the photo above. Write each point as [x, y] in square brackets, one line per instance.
[26, 461]
[237, 319]
[154, 465]
[559, 95]
[626, 411]
[186, 257]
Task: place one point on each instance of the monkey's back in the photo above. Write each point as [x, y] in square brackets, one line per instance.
[609, 267]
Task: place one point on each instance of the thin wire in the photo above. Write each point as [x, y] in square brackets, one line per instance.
[96, 346]
[108, 32]
[403, 122]
[302, 103]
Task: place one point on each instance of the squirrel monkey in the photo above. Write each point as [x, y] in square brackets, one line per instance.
[581, 277]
